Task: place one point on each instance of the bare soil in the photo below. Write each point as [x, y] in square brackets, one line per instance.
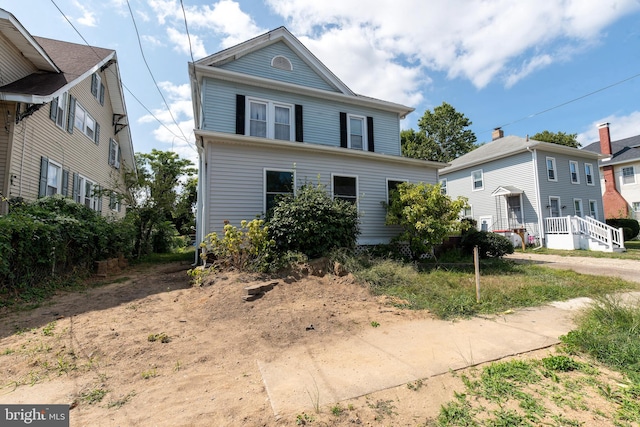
[146, 347]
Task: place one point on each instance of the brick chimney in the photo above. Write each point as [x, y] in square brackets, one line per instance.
[497, 134]
[605, 139]
[615, 206]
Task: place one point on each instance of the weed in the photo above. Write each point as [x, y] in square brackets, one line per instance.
[177, 366]
[8, 351]
[315, 396]
[350, 407]
[456, 413]
[374, 324]
[162, 337]
[337, 410]
[560, 363]
[304, 419]
[94, 396]
[383, 408]
[122, 401]
[507, 418]
[151, 373]
[48, 329]
[415, 385]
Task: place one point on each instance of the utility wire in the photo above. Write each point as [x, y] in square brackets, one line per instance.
[567, 102]
[123, 85]
[135, 26]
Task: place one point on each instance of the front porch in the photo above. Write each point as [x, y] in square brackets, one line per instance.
[574, 232]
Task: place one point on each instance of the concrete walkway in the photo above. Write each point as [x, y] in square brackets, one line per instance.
[376, 359]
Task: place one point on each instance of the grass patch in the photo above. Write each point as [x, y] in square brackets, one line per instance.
[180, 256]
[632, 247]
[505, 285]
[609, 331]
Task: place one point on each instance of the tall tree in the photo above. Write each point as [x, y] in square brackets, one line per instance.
[568, 139]
[158, 196]
[443, 135]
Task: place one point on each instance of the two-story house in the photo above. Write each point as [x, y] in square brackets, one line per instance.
[526, 189]
[65, 128]
[270, 117]
[620, 173]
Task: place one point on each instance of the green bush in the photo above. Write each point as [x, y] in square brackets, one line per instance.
[630, 227]
[54, 236]
[247, 248]
[312, 223]
[490, 245]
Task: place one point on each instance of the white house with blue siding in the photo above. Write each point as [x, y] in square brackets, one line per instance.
[541, 192]
[269, 114]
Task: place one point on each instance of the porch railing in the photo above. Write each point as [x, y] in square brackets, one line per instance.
[599, 231]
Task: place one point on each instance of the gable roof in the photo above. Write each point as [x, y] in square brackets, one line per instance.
[624, 150]
[269, 38]
[210, 66]
[509, 146]
[11, 28]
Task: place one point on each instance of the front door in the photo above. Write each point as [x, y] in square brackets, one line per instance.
[554, 207]
[514, 211]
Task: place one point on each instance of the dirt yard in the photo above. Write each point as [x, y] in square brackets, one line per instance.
[146, 348]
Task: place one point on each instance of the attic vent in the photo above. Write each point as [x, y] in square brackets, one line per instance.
[281, 63]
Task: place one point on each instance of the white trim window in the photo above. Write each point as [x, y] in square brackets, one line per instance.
[85, 123]
[588, 174]
[54, 178]
[114, 202]
[555, 210]
[628, 175]
[593, 209]
[61, 113]
[268, 119]
[345, 187]
[551, 169]
[97, 88]
[114, 153]
[477, 180]
[87, 193]
[277, 183]
[577, 207]
[357, 131]
[635, 206]
[574, 172]
[392, 185]
[467, 212]
[443, 186]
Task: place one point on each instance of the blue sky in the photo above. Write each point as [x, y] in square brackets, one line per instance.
[500, 62]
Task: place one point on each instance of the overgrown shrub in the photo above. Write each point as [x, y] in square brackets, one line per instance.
[247, 248]
[312, 223]
[54, 236]
[490, 245]
[630, 227]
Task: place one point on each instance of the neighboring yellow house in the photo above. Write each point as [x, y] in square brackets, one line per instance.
[64, 121]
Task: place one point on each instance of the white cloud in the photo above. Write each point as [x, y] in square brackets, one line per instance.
[191, 44]
[225, 20]
[478, 41]
[88, 18]
[620, 127]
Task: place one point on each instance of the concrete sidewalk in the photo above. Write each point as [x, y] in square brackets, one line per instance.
[376, 359]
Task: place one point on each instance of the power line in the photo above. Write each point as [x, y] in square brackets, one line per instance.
[135, 26]
[568, 102]
[123, 85]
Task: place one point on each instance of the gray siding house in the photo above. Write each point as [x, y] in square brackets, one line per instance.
[270, 117]
[513, 184]
[65, 121]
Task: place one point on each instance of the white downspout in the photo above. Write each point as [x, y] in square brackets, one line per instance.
[534, 159]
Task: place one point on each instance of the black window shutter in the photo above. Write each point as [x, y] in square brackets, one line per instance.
[65, 182]
[94, 85]
[97, 133]
[299, 130]
[240, 107]
[101, 94]
[44, 170]
[99, 189]
[76, 184]
[53, 113]
[370, 143]
[343, 130]
[72, 114]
